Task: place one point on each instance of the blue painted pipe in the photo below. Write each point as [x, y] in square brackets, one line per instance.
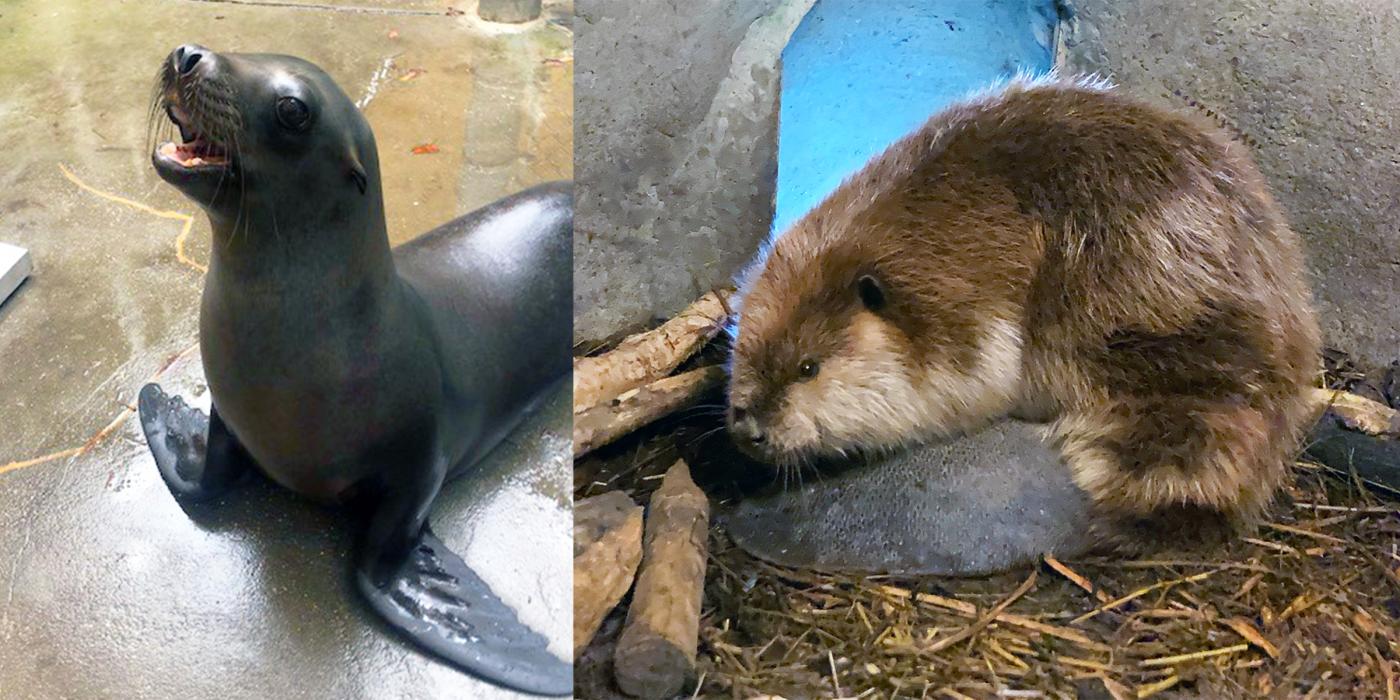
[858, 75]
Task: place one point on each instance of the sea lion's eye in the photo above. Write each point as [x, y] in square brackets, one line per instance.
[808, 369]
[293, 113]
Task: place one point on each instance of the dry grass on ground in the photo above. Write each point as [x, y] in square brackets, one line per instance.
[1308, 606]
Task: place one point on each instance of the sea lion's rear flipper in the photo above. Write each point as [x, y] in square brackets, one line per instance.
[442, 605]
[993, 500]
[197, 456]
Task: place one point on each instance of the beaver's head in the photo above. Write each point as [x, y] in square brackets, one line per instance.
[852, 337]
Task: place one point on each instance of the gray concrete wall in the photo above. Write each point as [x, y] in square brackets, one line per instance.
[675, 150]
[1317, 84]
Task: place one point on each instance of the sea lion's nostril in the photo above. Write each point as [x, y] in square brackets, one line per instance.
[185, 57]
[189, 60]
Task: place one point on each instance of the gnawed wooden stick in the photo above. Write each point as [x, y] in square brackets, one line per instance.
[1356, 434]
[1358, 412]
[613, 419]
[607, 550]
[656, 651]
[1334, 443]
[646, 357]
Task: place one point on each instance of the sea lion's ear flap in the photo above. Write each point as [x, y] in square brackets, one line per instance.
[357, 173]
[871, 291]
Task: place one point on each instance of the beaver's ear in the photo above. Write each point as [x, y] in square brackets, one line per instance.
[871, 291]
[357, 173]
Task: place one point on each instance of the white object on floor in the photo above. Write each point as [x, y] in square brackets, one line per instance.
[15, 266]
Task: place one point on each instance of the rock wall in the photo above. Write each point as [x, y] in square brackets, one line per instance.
[675, 150]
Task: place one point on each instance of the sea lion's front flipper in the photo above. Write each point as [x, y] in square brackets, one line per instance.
[989, 501]
[442, 605]
[197, 456]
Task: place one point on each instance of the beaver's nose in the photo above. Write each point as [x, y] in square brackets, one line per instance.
[184, 58]
[745, 426]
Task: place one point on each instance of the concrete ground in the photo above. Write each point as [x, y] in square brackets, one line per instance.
[108, 589]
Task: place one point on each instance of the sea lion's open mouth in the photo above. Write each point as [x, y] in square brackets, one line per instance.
[197, 150]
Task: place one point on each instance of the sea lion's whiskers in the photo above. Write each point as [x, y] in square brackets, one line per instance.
[227, 138]
[276, 233]
[209, 106]
[237, 155]
[223, 173]
[242, 184]
[160, 89]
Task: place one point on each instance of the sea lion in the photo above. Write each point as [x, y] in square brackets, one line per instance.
[343, 370]
[1058, 252]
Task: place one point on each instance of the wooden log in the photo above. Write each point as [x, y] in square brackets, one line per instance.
[656, 650]
[611, 420]
[607, 550]
[646, 357]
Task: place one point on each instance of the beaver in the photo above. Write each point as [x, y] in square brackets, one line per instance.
[1051, 251]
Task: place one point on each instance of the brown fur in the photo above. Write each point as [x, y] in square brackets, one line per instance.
[1133, 257]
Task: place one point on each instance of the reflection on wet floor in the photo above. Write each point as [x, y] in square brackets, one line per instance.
[133, 595]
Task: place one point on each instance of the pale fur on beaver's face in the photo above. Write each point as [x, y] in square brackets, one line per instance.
[871, 389]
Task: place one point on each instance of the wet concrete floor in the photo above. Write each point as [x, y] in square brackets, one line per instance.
[108, 589]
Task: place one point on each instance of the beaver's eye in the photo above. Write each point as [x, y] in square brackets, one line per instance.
[808, 369]
[293, 113]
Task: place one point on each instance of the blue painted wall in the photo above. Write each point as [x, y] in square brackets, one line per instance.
[859, 74]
